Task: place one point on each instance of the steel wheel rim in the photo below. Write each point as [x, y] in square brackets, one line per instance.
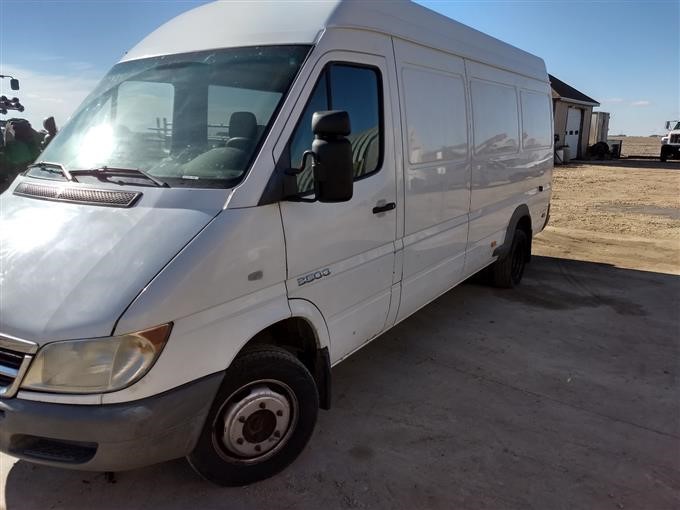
[249, 432]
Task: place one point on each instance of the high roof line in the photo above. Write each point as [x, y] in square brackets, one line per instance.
[233, 24]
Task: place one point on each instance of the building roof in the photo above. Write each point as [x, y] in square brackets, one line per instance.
[563, 91]
[232, 24]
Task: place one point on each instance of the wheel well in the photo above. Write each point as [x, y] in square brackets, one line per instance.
[297, 336]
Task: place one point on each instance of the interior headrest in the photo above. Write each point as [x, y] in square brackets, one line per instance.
[242, 125]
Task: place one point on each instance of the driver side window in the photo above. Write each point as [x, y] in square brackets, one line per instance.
[355, 89]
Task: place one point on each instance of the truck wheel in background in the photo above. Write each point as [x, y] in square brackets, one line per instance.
[261, 419]
[664, 154]
[507, 272]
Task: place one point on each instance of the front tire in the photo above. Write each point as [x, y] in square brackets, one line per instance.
[262, 418]
[664, 154]
[507, 272]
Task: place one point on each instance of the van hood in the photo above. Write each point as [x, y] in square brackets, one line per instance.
[69, 270]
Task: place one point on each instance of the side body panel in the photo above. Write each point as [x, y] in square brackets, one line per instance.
[436, 172]
[503, 179]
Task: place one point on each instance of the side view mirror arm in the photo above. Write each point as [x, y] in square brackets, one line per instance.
[298, 171]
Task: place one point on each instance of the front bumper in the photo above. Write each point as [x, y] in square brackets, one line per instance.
[113, 437]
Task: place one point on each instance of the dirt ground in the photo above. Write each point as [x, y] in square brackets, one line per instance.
[646, 146]
[560, 394]
[627, 215]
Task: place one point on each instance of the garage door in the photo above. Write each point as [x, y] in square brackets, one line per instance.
[573, 130]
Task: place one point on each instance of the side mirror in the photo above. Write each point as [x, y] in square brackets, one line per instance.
[14, 84]
[333, 167]
[668, 125]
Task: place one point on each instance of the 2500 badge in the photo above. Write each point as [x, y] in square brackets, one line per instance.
[317, 275]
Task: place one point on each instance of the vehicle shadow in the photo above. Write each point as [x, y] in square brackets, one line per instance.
[558, 393]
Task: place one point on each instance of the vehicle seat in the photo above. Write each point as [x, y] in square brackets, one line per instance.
[242, 131]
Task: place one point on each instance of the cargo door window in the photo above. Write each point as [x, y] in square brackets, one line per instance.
[495, 118]
[435, 116]
[357, 90]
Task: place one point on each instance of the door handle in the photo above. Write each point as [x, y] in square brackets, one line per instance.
[384, 208]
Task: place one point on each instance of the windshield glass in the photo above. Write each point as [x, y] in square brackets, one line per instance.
[195, 119]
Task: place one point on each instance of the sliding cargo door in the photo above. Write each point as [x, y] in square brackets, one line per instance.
[436, 172]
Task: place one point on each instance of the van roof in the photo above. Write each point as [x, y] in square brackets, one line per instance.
[233, 24]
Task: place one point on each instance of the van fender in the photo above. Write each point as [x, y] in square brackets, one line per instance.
[274, 312]
[503, 249]
[320, 366]
[308, 311]
[218, 334]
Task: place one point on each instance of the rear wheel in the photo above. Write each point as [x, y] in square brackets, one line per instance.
[507, 272]
[262, 418]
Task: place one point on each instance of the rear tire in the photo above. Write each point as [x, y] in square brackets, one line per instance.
[507, 271]
[262, 418]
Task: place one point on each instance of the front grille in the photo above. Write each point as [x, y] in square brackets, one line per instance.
[675, 138]
[78, 195]
[15, 356]
[11, 367]
[11, 359]
[55, 450]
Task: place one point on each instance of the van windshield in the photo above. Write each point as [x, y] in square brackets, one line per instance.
[194, 119]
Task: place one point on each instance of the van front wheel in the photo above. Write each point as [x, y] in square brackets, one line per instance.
[262, 418]
[507, 272]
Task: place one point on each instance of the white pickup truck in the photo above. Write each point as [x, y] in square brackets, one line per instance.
[670, 144]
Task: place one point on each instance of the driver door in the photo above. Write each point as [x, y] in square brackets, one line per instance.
[341, 255]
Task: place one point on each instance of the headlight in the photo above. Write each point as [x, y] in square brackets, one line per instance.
[97, 365]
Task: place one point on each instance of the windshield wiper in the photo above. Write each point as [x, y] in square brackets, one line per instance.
[132, 172]
[54, 168]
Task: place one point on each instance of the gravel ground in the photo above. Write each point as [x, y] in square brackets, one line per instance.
[560, 394]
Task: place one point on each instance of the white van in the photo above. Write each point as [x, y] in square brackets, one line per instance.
[255, 192]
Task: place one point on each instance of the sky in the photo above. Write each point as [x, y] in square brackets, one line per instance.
[625, 53]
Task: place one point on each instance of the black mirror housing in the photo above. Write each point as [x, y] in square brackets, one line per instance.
[331, 123]
[14, 84]
[333, 166]
[333, 172]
